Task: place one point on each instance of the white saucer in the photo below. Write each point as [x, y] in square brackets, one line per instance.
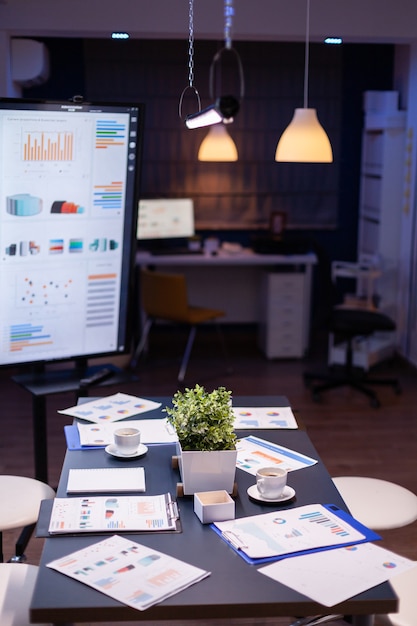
[111, 449]
[286, 495]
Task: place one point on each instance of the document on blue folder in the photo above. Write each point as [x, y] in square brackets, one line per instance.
[300, 530]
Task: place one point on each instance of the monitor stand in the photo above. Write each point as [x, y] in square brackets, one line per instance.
[42, 382]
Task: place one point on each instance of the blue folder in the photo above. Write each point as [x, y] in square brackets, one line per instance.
[72, 437]
[369, 535]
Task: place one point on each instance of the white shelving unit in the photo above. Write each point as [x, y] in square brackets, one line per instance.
[381, 195]
[380, 205]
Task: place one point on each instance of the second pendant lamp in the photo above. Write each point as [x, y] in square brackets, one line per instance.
[305, 140]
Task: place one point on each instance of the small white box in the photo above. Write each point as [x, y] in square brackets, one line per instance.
[213, 506]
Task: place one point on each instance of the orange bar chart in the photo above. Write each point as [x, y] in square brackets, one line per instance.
[44, 146]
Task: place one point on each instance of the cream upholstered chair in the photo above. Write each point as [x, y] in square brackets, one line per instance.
[17, 582]
[164, 297]
[20, 499]
[405, 586]
[379, 504]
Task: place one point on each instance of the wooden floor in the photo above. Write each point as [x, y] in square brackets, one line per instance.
[351, 437]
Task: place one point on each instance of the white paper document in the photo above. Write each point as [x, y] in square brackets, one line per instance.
[253, 453]
[263, 417]
[113, 513]
[151, 431]
[131, 573]
[106, 480]
[111, 409]
[333, 576]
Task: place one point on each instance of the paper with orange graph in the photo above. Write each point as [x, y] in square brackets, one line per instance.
[253, 453]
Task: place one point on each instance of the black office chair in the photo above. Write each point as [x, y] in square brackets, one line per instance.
[346, 324]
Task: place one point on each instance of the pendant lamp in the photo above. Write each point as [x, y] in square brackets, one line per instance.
[217, 145]
[305, 140]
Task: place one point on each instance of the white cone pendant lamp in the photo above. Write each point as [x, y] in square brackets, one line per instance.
[218, 145]
[305, 140]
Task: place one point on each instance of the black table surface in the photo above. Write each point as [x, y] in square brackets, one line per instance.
[234, 589]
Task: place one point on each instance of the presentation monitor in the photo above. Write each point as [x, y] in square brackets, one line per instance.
[69, 175]
[165, 220]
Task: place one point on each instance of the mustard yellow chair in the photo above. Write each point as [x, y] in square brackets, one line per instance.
[405, 586]
[164, 297]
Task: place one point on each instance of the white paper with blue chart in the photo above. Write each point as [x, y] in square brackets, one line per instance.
[282, 533]
[250, 418]
[111, 408]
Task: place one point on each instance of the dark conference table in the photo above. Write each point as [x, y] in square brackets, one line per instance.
[234, 589]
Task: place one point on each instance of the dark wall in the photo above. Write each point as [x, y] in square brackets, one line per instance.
[235, 199]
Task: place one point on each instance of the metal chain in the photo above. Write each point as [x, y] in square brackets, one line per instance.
[228, 22]
[190, 60]
[191, 43]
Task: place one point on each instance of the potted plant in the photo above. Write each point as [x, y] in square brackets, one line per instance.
[204, 423]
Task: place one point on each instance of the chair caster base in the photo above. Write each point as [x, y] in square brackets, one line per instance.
[21, 558]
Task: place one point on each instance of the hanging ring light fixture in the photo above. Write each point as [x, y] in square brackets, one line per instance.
[224, 107]
[305, 140]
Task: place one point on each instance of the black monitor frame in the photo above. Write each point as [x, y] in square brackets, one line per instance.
[105, 241]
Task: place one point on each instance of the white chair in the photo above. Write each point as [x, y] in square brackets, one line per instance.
[378, 504]
[20, 499]
[17, 582]
[405, 586]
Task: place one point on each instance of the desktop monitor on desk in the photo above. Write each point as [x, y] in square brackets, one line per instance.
[165, 223]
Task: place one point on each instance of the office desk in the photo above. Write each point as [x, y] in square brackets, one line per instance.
[271, 290]
[234, 589]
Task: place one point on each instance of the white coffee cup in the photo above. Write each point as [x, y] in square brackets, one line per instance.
[127, 440]
[271, 482]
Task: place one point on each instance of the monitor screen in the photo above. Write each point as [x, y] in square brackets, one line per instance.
[165, 218]
[69, 176]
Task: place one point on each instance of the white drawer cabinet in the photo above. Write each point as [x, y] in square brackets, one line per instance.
[284, 315]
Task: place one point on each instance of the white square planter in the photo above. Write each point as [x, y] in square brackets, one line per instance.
[207, 470]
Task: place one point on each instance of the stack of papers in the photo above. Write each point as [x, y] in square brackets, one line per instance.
[129, 572]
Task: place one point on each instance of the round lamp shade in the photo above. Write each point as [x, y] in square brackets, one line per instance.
[304, 140]
[217, 145]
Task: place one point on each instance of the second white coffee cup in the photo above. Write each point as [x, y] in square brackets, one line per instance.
[271, 482]
[127, 440]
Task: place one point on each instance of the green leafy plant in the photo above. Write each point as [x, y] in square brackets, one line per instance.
[203, 420]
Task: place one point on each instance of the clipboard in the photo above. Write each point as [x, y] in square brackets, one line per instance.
[233, 540]
[46, 509]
